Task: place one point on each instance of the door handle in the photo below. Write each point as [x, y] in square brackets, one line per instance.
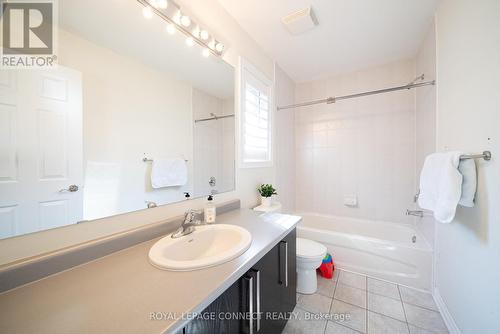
[285, 243]
[257, 288]
[250, 303]
[71, 189]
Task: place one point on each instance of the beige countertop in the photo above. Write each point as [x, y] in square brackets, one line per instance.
[117, 293]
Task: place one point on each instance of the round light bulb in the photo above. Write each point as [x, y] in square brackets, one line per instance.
[219, 47]
[147, 12]
[185, 21]
[177, 17]
[204, 35]
[162, 4]
[171, 29]
[206, 53]
[211, 44]
[189, 41]
[196, 32]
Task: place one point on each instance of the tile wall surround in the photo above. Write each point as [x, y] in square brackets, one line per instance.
[364, 147]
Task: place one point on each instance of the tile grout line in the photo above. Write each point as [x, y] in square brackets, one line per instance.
[404, 310]
[413, 304]
[336, 282]
[333, 297]
[398, 286]
[422, 307]
[331, 307]
[367, 305]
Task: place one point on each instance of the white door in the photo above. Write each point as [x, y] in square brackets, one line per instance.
[41, 150]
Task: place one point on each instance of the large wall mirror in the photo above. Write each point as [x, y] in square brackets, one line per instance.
[132, 117]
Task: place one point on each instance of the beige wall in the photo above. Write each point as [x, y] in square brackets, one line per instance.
[364, 147]
[238, 43]
[468, 72]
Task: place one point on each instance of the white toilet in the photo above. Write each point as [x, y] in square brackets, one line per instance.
[309, 256]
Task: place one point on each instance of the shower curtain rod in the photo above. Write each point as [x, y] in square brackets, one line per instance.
[214, 117]
[331, 100]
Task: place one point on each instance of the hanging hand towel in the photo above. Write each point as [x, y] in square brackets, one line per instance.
[441, 185]
[168, 173]
[469, 185]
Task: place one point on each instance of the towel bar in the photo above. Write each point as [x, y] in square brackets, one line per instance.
[151, 160]
[486, 155]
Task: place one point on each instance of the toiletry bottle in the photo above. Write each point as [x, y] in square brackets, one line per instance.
[210, 211]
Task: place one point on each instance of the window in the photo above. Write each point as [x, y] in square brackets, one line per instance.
[256, 118]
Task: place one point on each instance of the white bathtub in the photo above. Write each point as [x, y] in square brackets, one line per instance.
[377, 249]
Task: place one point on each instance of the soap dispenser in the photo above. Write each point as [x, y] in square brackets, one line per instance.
[210, 210]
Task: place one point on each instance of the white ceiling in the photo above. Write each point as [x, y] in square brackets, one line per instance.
[120, 26]
[352, 34]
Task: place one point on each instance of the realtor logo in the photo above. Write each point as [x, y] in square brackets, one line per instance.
[28, 34]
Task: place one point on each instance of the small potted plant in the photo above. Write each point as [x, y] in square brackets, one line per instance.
[266, 192]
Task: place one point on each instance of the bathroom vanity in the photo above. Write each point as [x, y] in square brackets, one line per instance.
[267, 292]
[124, 293]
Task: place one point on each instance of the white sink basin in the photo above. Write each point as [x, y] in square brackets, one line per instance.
[207, 246]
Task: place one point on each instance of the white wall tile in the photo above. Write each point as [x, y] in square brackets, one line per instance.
[361, 147]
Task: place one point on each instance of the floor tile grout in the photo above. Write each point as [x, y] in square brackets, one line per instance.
[331, 303]
[366, 313]
[340, 324]
[420, 306]
[404, 310]
[337, 280]
[378, 294]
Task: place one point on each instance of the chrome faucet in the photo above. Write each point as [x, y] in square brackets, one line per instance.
[191, 219]
[151, 205]
[416, 213]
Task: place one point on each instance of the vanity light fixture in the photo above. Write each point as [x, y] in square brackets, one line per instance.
[171, 12]
[162, 4]
[185, 21]
[177, 17]
[219, 47]
[189, 41]
[204, 35]
[147, 12]
[171, 28]
[196, 32]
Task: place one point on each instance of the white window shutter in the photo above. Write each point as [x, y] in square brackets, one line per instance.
[256, 118]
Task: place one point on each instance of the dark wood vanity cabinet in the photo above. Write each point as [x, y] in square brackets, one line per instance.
[267, 292]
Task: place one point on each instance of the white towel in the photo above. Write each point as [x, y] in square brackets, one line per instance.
[168, 173]
[469, 185]
[441, 185]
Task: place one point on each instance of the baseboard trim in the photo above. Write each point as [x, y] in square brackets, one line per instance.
[445, 313]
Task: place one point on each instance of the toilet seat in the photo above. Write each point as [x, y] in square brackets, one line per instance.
[310, 249]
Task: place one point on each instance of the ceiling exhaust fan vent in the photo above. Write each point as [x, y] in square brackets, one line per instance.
[300, 21]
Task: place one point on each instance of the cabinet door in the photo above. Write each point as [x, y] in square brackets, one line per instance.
[268, 291]
[275, 280]
[288, 267]
[231, 301]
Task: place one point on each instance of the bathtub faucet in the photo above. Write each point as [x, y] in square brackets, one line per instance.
[417, 213]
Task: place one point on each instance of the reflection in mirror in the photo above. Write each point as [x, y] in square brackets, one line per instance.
[213, 143]
[131, 118]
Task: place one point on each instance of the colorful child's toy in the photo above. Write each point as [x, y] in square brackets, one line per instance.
[327, 267]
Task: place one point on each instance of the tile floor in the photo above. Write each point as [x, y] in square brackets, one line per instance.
[351, 304]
